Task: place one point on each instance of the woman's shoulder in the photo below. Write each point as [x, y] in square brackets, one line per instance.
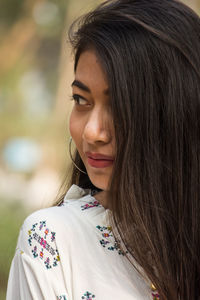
[46, 232]
[76, 203]
[77, 211]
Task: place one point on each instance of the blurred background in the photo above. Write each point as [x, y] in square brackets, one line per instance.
[36, 70]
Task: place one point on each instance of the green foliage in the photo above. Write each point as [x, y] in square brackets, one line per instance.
[10, 11]
[11, 218]
[29, 46]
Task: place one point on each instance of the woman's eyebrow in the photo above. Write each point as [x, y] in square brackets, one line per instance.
[81, 86]
[85, 88]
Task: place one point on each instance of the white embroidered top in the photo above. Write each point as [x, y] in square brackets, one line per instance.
[68, 252]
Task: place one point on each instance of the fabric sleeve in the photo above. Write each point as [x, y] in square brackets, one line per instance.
[36, 272]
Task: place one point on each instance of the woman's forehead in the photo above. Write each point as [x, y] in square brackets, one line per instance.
[89, 72]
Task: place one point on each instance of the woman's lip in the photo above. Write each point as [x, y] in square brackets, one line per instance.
[98, 160]
[99, 163]
[99, 156]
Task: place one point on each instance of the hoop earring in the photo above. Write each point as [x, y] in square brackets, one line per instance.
[70, 154]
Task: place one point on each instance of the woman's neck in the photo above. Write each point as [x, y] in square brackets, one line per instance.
[102, 198]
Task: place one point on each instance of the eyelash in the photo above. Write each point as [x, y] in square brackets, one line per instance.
[76, 98]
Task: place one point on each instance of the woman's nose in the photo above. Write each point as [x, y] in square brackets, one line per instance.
[97, 128]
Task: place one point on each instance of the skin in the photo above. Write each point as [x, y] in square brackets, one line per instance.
[91, 125]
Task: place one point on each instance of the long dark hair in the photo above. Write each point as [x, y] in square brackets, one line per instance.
[150, 51]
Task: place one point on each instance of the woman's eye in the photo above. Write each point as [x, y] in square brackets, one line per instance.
[79, 100]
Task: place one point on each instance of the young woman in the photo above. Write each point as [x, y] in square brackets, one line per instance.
[136, 126]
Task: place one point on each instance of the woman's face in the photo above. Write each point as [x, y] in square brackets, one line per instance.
[91, 123]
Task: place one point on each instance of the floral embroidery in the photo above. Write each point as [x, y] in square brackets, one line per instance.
[41, 254]
[30, 233]
[55, 260]
[90, 204]
[47, 263]
[34, 251]
[43, 243]
[53, 234]
[155, 296]
[63, 297]
[46, 233]
[108, 240]
[88, 296]
[42, 224]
